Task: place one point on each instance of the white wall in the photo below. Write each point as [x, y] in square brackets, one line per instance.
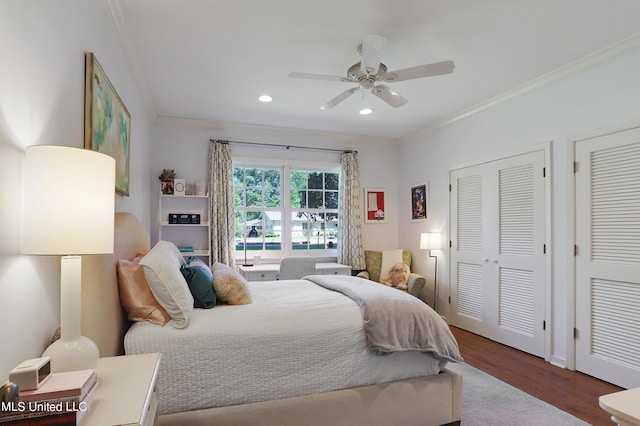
[42, 102]
[184, 148]
[590, 100]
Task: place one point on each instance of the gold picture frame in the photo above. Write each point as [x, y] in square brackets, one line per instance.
[107, 122]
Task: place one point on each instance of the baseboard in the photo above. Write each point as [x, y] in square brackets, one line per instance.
[558, 362]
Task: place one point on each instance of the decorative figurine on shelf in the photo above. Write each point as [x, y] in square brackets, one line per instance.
[167, 178]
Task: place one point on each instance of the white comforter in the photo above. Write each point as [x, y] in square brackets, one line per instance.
[296, 338]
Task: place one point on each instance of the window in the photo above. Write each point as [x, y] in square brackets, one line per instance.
[286, 208]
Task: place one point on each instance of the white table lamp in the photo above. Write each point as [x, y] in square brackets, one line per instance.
[432, 241]
[68, 210]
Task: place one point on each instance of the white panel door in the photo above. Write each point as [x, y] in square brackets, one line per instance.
[608, 257]
[497, 250]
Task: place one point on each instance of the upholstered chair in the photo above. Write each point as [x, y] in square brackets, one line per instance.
[292, 268]
[374, 261]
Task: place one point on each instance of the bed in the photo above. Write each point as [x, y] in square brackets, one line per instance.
[315, 387]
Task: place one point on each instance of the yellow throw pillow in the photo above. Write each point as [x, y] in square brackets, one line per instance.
[230, 286]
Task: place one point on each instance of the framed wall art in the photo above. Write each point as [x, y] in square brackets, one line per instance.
[374, 203]
[107, 122]
[419, 201]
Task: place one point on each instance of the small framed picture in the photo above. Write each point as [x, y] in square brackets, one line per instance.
[374, 205]
[419, 201]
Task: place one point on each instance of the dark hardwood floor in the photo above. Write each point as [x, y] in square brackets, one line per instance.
[571, 391]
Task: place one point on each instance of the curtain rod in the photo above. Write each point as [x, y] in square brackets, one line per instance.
[283, 146]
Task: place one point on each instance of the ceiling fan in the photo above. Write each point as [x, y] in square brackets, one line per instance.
[370, 70]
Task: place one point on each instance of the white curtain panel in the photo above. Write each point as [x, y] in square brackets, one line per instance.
[221, 202]
[350, 251]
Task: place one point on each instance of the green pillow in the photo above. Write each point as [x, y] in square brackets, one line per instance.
[200, 281]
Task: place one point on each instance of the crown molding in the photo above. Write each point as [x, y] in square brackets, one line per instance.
[599, 57]
[273, 130]
[114, 11]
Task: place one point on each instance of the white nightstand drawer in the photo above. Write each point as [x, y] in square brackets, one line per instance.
[341, 271]
[261, 276]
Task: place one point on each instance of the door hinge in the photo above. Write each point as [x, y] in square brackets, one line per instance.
[449, 299]
[450, 244]
[575, 333]
[544, 172]
[544, 324]
[449, 187]
[575, 249]
[575, 167]
[544, 249]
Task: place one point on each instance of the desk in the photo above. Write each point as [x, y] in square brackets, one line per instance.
[624, 406]
[269, 271]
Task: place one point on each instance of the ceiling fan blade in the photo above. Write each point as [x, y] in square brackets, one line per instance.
[389, 95]
[341, 97]
[372, 47]
[319, 77]
[427, 70]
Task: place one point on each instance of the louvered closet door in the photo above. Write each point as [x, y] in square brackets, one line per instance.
[608, 257]
[498, 260]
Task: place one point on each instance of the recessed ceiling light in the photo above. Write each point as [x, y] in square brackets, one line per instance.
[366, 111]
[265, 98]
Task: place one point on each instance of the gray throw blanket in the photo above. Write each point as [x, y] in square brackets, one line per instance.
[394, 320]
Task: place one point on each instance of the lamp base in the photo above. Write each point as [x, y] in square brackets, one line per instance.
[80, 353]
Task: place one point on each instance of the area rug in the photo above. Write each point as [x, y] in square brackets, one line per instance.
[488, 401]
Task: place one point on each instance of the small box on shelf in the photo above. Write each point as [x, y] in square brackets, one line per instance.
[184, 219]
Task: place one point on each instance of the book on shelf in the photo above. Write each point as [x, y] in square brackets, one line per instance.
[183, 249]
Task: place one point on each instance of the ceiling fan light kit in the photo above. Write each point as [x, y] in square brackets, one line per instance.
[371, 70]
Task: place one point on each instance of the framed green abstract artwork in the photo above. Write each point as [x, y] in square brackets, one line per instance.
[107, 122]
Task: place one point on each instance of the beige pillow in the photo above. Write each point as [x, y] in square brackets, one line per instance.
[136, 297]
[230, 286]
[389, 258]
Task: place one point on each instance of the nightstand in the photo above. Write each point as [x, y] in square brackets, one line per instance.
[126, 391]
[623, 406]
[269, 271]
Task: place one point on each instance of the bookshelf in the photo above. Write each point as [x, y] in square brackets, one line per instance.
[186, 235]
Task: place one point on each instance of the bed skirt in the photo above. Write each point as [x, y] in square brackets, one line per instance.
[431, 400]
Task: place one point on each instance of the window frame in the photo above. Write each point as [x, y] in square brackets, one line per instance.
[286, 211]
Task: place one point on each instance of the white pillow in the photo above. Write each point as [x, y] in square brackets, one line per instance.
[389, 258]
[162, 271]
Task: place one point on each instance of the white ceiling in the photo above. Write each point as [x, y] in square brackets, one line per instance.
[211, 59]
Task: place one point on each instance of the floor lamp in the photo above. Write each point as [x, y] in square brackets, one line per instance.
[68, 211]
[432, 241]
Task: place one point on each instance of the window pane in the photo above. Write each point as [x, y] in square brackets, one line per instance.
[238, 197]
[272, 197]
[315, 200]
[331, 199]
[298, 179]
[299, 230]
[315, 180]
[254, 198]
[253, 177]
[331, 181]
[238, 176]
[298, 199]
[272, 178]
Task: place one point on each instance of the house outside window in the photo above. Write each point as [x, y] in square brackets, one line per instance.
[285, 209]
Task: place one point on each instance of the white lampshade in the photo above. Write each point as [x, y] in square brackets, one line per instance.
[69, 201]
[68, 210]
[431, 241]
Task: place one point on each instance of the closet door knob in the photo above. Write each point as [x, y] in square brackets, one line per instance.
[486, 259]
